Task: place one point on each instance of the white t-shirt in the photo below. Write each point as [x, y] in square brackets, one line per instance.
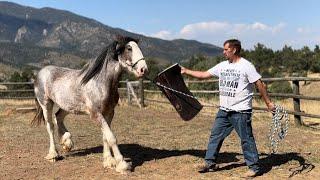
[235, 84]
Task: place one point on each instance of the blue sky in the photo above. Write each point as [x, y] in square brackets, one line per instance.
[274, 23]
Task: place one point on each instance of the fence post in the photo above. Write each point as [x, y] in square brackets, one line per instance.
[296, 102]
[141, 89]
[128, 92]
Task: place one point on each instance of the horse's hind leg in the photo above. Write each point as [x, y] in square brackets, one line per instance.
[47, 107]
[64, 134]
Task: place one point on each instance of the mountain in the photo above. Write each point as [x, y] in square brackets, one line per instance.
[48, 33]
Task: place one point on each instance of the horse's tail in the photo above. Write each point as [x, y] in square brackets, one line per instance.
[38, 118]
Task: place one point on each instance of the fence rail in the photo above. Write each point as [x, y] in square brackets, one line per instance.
[27, 87]
[296, 96]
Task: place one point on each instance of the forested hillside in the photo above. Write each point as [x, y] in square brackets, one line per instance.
[36, 31]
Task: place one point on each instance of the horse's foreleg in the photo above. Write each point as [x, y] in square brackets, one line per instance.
[64, 135]
[108, 160]
[110, 141]
[47, 113]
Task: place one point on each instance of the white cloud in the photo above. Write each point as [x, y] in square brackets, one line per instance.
[303, 30]
[258, 26]
[277, 28]
[273, 36]
[164, 34]
[215, 27]
[137, 32]
[215, 32]
[207, 27]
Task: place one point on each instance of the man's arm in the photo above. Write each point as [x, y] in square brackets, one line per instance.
[263, 92]
[196, 74]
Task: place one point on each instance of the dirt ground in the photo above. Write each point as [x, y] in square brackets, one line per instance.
[157, 142]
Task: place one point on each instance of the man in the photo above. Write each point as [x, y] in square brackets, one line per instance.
[236, 78]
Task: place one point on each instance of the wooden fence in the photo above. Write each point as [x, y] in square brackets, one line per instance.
[296, 96]
[8, 90]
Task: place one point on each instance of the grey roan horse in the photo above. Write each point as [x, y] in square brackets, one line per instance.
[93, 90]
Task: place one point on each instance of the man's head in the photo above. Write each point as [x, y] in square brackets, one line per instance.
[231, 49]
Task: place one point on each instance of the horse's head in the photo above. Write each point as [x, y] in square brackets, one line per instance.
[131, 57]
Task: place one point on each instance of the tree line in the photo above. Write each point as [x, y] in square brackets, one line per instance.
[269, 63]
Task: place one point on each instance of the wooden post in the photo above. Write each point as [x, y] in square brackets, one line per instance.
[187, 83]
[128, 91]
[141, 89]
[296, 102]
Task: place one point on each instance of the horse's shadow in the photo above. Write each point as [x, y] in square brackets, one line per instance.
[139, 154]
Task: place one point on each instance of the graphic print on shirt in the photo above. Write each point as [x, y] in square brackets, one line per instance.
[229, 81]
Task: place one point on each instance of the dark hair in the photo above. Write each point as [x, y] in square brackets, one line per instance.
[234, 43]
[111, 52]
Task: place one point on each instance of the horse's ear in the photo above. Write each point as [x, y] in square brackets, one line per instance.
[118, 41]
[119, 38]
[118, 48]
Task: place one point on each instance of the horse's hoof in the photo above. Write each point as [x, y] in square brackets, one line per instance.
[66, 142]
[51, 158]
[123, 167]
[67, 148]
[125, 172]
[109, 163]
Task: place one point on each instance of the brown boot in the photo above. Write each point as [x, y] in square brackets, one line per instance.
[207, 168]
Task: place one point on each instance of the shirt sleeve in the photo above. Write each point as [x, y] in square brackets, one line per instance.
[215, 70]
[252, 73]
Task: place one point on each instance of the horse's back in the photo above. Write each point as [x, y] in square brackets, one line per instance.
[56, 83]
[50, 74]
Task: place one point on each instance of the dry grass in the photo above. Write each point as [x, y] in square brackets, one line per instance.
[6, 70]
[159, 144]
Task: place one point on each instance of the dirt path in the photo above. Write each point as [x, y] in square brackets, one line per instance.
[157, 142]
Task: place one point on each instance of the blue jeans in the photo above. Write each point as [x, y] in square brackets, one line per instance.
[225, 122]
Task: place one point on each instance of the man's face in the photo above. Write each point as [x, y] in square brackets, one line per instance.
[228, 51]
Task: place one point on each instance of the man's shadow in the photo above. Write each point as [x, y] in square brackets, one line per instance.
[139, 154]
[273, 160]
[268, 161]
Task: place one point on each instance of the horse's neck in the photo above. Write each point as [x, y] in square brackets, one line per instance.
[112, 74]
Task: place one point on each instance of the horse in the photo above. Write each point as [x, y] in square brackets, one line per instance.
[92, 90]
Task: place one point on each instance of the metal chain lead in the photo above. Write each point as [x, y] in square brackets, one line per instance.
[179, 92]
[278, 127]
[173, 90]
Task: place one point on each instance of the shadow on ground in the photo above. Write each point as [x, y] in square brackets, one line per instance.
[274, 160]
[139, 154]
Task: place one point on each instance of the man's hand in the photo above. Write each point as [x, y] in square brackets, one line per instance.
[271, 106]
[183, 70]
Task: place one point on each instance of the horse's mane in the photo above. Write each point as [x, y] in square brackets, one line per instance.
[111, 52]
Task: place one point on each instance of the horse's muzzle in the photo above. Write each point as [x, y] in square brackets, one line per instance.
[142, 71]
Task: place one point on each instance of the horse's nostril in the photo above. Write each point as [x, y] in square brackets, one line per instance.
[145, 71]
